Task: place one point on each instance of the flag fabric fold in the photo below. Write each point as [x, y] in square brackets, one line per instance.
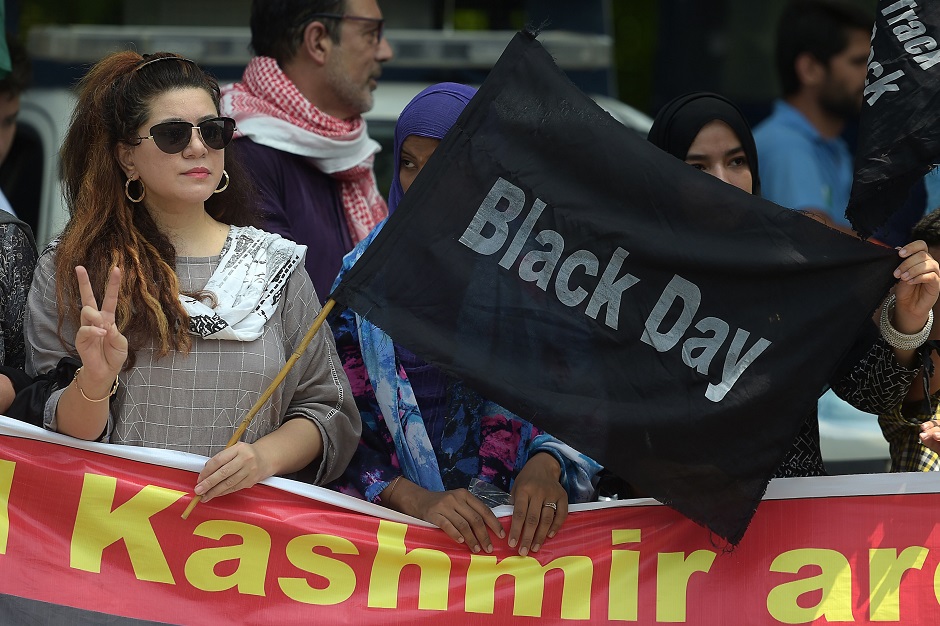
[671, 326]
[899, 128]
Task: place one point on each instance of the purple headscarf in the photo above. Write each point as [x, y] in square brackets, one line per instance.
[429, 114]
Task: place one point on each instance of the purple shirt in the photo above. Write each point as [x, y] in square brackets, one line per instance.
[303, 204]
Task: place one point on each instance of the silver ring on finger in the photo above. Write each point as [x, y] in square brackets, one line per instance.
[551, 505]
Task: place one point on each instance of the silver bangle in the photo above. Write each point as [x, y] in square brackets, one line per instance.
[897, 339]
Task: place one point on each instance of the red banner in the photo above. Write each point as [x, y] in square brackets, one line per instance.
[97, 528]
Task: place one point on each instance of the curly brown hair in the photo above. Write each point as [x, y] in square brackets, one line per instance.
[105, 229]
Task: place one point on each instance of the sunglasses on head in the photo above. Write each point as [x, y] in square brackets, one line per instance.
[173, 137]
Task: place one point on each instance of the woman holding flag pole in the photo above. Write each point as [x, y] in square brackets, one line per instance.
[179, 309]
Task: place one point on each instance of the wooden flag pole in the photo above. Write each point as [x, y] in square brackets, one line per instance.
[317, 323]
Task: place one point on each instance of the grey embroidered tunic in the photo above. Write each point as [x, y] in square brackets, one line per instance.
[195, 402]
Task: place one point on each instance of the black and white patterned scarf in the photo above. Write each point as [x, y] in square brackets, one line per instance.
[248, 284]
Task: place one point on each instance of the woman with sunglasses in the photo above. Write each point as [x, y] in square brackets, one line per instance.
[179, 309]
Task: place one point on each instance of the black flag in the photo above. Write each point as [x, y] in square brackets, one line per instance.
[673, 327]
[899, 130]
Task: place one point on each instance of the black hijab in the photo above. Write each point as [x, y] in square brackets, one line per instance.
[679, 121]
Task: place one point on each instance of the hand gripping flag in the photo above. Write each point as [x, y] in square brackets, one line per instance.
[667, 324]
[899, 130]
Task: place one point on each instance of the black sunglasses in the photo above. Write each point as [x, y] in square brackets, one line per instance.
[173, 137]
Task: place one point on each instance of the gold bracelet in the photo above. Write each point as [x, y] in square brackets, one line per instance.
[81, 391]
[387, 499]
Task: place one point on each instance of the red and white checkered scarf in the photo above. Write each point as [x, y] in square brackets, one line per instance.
[270, 110]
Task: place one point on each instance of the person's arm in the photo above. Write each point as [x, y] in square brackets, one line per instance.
[554, 474]
[885, 376]
[46, 345]
[291, 447]
[916, 293]
[316, 396]
[873, 380]
[539, 503]
[916, 296]
[320, 389]
[83, 409]
[459, 513]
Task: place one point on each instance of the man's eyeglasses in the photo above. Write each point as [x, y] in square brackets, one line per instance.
[173, 137]
[379, 22]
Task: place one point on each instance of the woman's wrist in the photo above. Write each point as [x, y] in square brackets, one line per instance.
[94, 388]
[405, 498]
[903, 331]
[903, 320]
[548, 462]
[908, 324]
[385, 497]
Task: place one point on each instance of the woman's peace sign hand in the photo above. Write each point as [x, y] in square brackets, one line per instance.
[101, 346]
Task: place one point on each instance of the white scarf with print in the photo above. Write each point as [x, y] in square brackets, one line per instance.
[248, 284]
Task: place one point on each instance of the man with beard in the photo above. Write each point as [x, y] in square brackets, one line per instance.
[822, 59]
[299, 113]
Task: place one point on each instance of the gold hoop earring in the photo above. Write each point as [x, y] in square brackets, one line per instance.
[127, 190]
[225, 186]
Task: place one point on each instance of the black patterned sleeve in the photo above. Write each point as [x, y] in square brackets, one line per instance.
[17, 261]
[875, 382]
